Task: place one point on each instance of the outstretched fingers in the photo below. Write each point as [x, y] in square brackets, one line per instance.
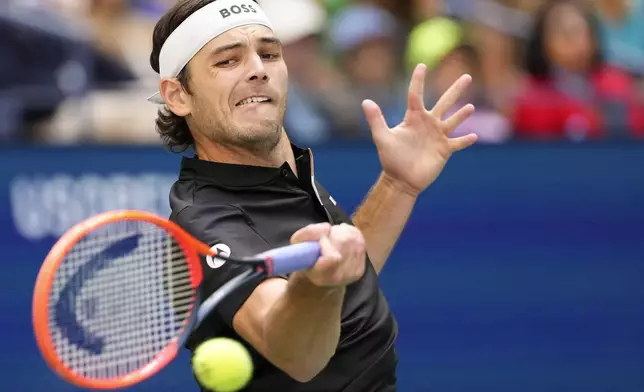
[416, 100]
[451, 96]
[463, 142]
[458, 118]
[375, 119]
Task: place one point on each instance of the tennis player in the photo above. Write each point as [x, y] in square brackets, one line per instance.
[248, 189]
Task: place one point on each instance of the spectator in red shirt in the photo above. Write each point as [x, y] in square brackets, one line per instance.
[571, 92]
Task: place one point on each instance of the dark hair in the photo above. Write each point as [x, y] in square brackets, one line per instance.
[536, 61]
[174, 129]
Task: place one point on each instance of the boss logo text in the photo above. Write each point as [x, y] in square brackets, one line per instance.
[237, 9]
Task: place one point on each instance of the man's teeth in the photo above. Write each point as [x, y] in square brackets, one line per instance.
[254, 99]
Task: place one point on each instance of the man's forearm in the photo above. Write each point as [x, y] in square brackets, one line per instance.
[302, 329]
[382, 217]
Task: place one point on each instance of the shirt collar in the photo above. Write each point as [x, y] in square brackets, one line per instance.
[227, 174]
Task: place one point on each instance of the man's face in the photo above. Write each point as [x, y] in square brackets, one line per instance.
[238, 83]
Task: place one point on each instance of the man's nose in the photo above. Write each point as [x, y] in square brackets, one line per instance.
[258, 70]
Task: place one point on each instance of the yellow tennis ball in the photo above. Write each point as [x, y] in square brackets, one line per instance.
[222, 365]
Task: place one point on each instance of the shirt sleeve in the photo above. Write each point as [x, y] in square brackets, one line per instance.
[228, 229]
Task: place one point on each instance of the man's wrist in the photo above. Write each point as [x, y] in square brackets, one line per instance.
[399, 186]
[300, 285]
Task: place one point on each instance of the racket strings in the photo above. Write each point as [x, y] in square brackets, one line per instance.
[119, 299]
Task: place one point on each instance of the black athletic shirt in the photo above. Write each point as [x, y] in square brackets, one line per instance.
[245, 210]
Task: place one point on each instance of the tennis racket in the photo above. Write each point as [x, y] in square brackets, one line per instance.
[118, 295]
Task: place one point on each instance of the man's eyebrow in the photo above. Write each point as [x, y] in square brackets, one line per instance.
[238, 45]
[270, 40]
[227, 47]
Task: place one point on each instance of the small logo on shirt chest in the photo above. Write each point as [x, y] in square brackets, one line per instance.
[215, 262]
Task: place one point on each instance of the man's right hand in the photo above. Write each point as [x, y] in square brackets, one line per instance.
[342, 261]
[296, 323]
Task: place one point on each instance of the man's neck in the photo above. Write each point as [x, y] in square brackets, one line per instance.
[240, 156]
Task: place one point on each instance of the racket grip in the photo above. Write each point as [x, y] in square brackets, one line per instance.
[293, 258]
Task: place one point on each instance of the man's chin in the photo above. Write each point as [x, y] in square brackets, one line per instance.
[259, 136]
[261, 125]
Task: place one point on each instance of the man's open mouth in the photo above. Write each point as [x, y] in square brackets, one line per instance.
[258, 99]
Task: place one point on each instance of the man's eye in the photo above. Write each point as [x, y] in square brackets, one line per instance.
[225, 63]
[270, 56]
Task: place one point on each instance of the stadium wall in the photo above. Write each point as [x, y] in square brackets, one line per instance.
[521, 269]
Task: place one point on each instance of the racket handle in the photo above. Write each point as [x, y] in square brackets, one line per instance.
[293, 258]
[285, 260]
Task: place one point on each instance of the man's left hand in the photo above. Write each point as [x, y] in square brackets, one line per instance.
[414, 152]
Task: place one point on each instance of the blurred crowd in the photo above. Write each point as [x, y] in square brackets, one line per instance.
[77, 71]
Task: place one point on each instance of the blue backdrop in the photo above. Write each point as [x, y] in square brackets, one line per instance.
[522, 268]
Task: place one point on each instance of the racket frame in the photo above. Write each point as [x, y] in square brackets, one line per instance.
[40, 307]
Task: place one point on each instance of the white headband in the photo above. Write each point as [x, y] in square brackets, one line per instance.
[202, 27]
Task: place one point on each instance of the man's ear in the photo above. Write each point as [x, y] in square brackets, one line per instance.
[175, 97]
